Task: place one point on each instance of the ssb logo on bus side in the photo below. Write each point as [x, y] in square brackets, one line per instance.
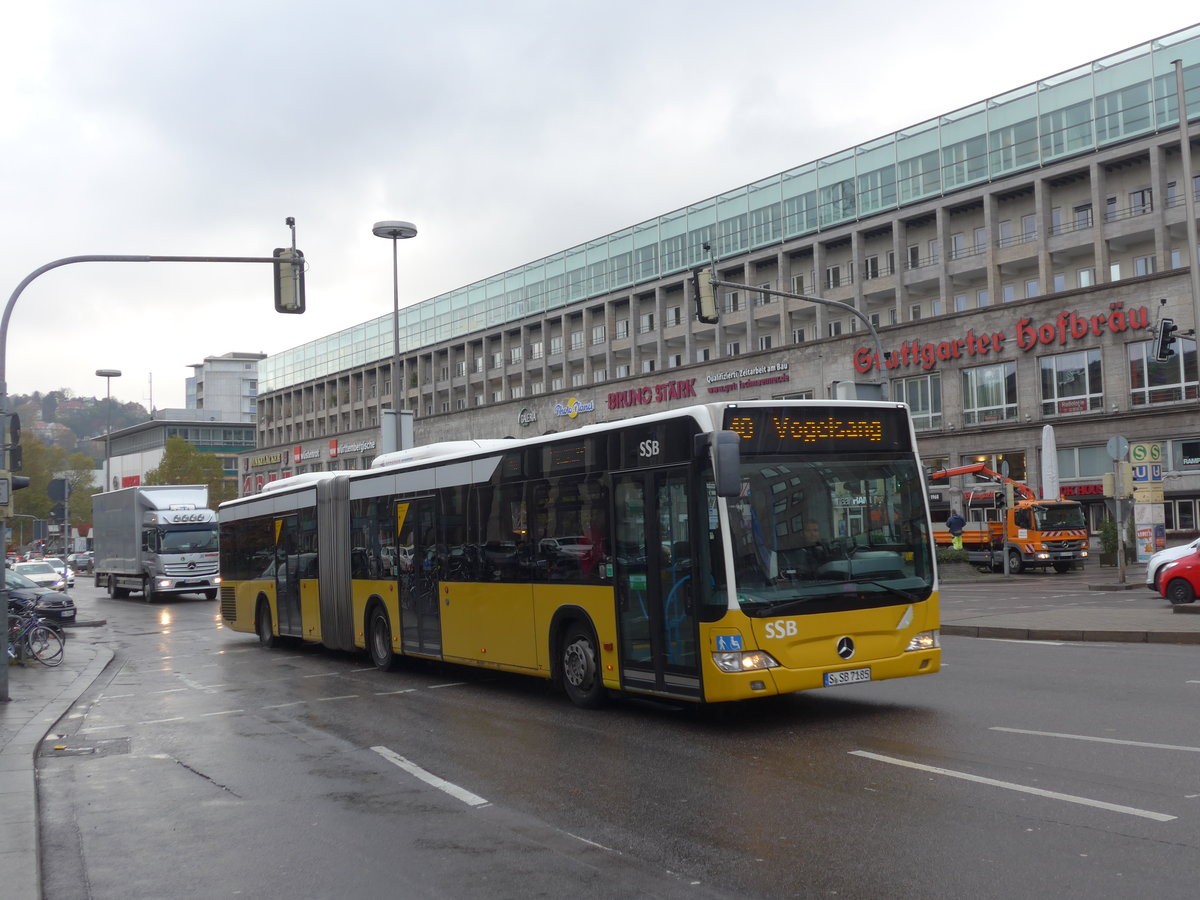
[648, 448]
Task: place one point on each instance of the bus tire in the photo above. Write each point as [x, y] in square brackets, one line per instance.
[1179, 591]
[580, 667]
[263, 625]
[379, 638]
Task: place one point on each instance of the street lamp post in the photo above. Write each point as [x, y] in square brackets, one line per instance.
[108, 375]
[395, 232]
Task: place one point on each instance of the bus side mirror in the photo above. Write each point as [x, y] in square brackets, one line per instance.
[726, 459]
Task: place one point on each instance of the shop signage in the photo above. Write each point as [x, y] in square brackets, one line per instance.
[1029, 334]
[267, 459]
[736, 379]
[1082, 490]
[353, 447]
[574, 407]
[1191, 453]
[657, 393]
[526, 416]
[299, 454]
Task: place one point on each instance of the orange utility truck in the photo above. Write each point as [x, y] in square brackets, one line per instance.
[1032, 533]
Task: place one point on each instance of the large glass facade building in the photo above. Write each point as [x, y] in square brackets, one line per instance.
[964, 240]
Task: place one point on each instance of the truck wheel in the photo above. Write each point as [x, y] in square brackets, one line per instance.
[148, 591]
[1062, 567]
[210, 595]
[116, 593]
[1015, 566]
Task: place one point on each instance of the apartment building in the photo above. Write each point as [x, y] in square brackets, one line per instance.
[1014, 258]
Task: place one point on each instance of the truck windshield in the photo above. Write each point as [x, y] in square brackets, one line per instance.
[824, 531]
[1051, 516]
[202, 539]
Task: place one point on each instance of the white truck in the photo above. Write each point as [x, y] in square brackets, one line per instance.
[157, 539]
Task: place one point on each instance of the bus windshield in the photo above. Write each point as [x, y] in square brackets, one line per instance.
[822, 534]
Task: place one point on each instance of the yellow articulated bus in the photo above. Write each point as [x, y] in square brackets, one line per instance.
[713, 553]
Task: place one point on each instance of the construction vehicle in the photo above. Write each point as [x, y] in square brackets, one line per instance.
[1016, 525]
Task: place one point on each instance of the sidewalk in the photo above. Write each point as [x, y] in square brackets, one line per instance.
[1107, 611]
[40, 697]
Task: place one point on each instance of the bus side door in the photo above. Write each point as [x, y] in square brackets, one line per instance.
[419, 571]
[287, 575]
[656, 606]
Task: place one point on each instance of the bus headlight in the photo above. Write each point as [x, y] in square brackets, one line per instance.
[925, 640]
[744, 661]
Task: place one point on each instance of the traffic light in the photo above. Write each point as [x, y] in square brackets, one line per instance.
[8, 484]
[13, 444]
[704, 294]
[289, 280]
[1163, 349]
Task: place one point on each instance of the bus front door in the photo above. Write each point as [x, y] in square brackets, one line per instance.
[656, 605]
[419, 570]
[287, 575]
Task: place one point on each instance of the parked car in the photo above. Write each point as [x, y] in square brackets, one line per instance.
[1179, 580]
[49, 603]
[42, 574]
[1156, 562]
[81, 562]
[62, 568]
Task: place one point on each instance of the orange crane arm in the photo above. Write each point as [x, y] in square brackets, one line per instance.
[1022, 489]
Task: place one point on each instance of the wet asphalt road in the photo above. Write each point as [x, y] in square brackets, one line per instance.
[202, 765]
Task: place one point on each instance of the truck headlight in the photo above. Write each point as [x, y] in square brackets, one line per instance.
[925, 640]
[744, 661]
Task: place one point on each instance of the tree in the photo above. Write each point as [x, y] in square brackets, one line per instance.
[40, 464]
[182, 463]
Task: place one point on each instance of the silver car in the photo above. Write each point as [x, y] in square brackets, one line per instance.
[42, 574]
[1155, 565]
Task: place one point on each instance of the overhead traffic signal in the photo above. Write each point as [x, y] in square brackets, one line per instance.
[1164, 341]
[704, 295]
[289, 280]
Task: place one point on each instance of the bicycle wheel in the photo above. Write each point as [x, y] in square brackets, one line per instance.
[44, 645]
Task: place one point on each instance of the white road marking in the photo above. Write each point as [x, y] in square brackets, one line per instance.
[1025, 789]
[389, 693]
[440, 783]
[224, 712]
[342, 697]
[1098, 740]
[447, 684]
[161, 721]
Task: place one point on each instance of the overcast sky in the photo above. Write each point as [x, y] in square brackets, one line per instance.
[504, 131]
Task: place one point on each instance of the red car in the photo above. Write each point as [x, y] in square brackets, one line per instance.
[1179, 581]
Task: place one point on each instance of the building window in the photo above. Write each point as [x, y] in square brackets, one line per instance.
[833, 276]
[1083, 217]
[958, 245]
[599, 376]
[871, 267]
[1032, 289]
[1139, 202]
[764, 342]
[623, 371]
[674, 315]
[1170, 381]
[1085, 277]
[646, 323]
[497, 360]
[1028, 228]
[935, 307]
[1008, 293]
[556, 383]
[733, 348]
[1144, 265]
[914, 256]
[556, 345]
[960, 302]
[599, 334]
[989, 393]
[704, 355]
[914, 312]
[514, 355]
[1114, 272]
[536, 350]
[834, 328]
[675, 360]
[923, 394]
[622, 328]
[648, 365]
[517, 392]
[797, 335]
[1060, 282]
[1071, 383]
[733, 302]
[577, 379]
[576, 340]
[764, 298]
[797, 284]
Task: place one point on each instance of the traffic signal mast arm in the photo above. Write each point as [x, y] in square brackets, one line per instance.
[711, 278]
[1019, 487]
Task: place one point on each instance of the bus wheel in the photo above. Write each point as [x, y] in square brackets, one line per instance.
[263, 625]
[379, 639]
[580, 669]
[1179, 591]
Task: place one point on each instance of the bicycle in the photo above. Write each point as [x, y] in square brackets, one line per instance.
[29, 635]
